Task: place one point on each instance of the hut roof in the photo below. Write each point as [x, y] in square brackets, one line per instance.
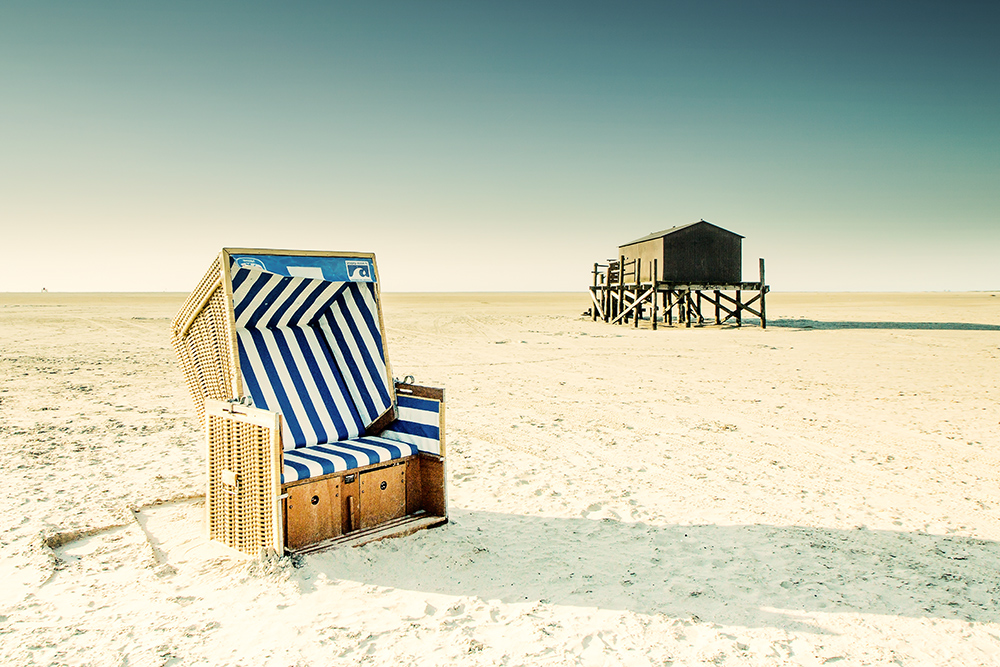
[665, 232]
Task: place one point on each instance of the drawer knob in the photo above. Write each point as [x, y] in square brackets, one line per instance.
[315, 500]
[382, 485]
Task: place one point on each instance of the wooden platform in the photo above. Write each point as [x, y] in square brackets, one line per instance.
[619, 297]
[396, 528]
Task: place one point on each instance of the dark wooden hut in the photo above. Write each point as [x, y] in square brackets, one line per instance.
[699, 252]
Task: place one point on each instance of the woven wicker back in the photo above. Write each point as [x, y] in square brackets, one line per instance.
[202, 336]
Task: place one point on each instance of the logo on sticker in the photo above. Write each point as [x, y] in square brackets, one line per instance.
[250, 263]
[358, 271]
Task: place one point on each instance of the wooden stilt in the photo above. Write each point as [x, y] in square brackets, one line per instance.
[739, 308]
[655, 295]
[612, 287]
[638, 291]
[763, 291]
[604, 296]
[593, 314]
[621, 286]
[717, 305]
[604, 292]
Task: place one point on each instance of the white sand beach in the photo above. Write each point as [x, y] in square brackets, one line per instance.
[825, 491]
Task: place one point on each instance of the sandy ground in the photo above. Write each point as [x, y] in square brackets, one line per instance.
[823, 492]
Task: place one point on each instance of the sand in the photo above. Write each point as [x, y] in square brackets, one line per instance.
[822, 492]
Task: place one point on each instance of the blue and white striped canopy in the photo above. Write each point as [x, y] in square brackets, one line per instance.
[310, 344]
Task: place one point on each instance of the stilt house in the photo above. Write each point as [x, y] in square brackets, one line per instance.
[673, 273]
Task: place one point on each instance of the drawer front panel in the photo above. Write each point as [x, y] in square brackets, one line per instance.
[314, 512]
[383, 495]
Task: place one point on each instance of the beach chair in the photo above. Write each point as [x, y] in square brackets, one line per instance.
[310, 441]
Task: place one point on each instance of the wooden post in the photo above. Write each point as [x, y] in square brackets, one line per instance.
[697, 297]
[600, 296]
[763, 291]
[669, 298]
[621, 285]
[655, 314]
[606, 292]
[593, 314]
[638, 291]
[611, 299]
[739, 306]
[687, 308]
[717, 299]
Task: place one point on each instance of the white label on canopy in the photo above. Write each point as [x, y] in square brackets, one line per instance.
[306, 272]
[250, 263]
[358, 270]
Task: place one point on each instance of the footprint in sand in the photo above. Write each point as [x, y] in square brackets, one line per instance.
[599, 511]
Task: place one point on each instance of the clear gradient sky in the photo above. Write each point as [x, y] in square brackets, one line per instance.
[499, 146]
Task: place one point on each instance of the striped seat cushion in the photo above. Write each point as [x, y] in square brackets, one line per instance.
[306, 462]
[418, 424]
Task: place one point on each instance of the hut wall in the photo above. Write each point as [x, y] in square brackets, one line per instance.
[702, 254]
[646, 251]
[699, 253]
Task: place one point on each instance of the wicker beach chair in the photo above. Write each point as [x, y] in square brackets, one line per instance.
[310, 441]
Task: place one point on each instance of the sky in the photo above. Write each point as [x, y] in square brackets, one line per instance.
[501, 146]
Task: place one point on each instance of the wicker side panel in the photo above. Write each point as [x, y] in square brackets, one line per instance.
[208, 283]
[202, 339]
[243, 480]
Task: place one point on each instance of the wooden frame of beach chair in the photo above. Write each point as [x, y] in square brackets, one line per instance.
[310, 443]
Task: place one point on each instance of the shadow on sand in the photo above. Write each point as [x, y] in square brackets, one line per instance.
[756, 576]
[915, 326]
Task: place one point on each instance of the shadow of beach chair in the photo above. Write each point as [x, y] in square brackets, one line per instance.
[311, 443]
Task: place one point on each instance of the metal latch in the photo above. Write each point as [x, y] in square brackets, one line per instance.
[244, 401]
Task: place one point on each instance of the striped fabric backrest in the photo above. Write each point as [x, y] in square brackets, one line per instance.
[290, 370]
[418, 423]
[312, 350]
[351, 328]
